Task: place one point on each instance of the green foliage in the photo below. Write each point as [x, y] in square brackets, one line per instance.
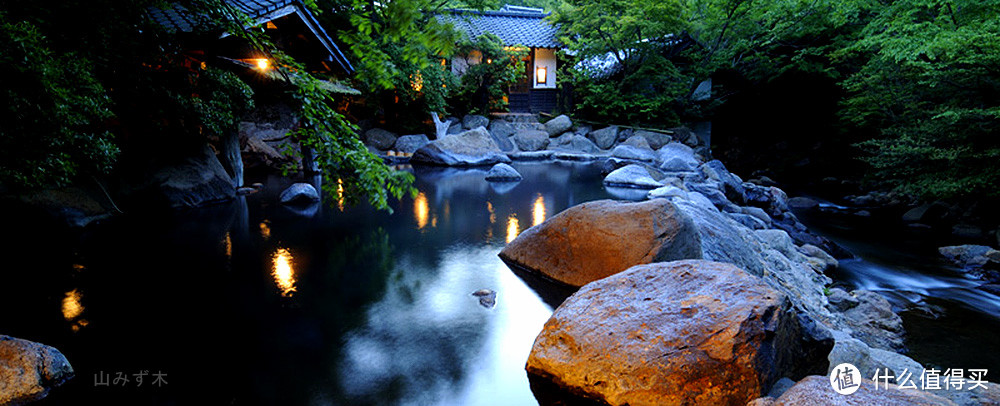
[53, 120]
[930, 85]
[491, 69]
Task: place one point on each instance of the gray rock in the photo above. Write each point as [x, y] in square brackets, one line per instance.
[667, 192]
[655, 140]
[503, 173]
[29, 370]
[710, 191]
[605, 137]
[802, 203]
[576, 143]
[380, 139]
[632, 176]
[970, 256]
[474, 121]
[299, 194]
[501, 131]
[196, 180]
[662, 334]
[633, 153]
[969, 231]
[471, 148]
[531, 140]
[558, 125]
[758, 213]
[258, 155]
[410, 143]
[638, 141]
[824, 259]
[732, 186]
[685, 136]
[748, 221]
[873, 322]
[455, 128]
[487, 298]
[841, 301]
[582, 130]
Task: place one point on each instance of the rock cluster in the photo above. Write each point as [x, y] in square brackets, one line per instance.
[28, 370]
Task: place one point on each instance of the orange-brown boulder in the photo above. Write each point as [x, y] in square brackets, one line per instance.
[598, 239]
[683, 332]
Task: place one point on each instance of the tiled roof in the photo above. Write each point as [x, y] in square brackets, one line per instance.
[513, 25]
[178, 18]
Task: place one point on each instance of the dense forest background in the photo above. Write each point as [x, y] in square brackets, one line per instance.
[904, 92]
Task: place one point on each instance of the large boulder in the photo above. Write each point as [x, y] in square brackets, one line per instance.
[28, 370]
[874, 322]
[470, 148]
[195, 180]
[410, 143]
[816, 390]
[259, 155]
[656, 140]
[380, 139]
[633, 153]
[574, 143]
[605, 137]
[677, 157]
[632, 176]
[501, 131]
[732, 186]
[593, 240]
[531, 140]
[474, 121]
[558, 125]
[637, 141]
[503, 173]
[684, 332]
[299, 194]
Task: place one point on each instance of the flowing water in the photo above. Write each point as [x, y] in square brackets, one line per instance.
[252, 303]
[950, 323]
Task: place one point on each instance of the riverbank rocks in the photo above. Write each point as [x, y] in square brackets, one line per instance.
[195, 180]
[472, 121]
[683, 332]
[558, 125]
[501, 131]
[299, 194]
[531, 140]
[816, 390]
[605, 137]
[632, 176]
[970, 256]
[470, 148]
[632, 153]
[802, 203]
[573, 143]
[28, 370]
[655, 140]
[873, 321]
[503, 173]
[597, 239]
[380, 139]
[410, 143]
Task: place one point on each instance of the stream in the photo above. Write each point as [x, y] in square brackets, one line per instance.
[255, 303]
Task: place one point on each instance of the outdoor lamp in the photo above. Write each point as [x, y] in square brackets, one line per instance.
[541, 75]
[262, 63]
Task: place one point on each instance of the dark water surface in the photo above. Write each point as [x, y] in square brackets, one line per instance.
[252, 303]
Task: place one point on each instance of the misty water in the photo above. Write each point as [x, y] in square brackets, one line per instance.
[254, 303]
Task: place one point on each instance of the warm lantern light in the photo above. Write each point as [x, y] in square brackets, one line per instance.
[513, 228]
[541, 75]
[262, 63]
[421, 210]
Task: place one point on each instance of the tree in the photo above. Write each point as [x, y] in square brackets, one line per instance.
[929, 86]
[484, 83]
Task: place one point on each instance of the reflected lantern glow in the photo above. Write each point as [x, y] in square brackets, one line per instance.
[538, 211]
[513, 228]
[284, 275]
[72, 307]
[421, 210]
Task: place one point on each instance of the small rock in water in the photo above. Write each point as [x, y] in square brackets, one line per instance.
[487, 298]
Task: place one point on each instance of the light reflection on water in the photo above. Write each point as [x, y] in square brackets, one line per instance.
[513, 228]
[421, 210]
[538, 211]
[284, 275]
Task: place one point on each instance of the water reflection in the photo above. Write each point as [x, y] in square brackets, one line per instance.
[265, 230]
[340, 194]
[421, 210]
[538, 211]
[513, 228]
[72, 309]
[282, 271]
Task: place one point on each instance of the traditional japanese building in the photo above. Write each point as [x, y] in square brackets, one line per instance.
[537, 90]
[289, 24]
